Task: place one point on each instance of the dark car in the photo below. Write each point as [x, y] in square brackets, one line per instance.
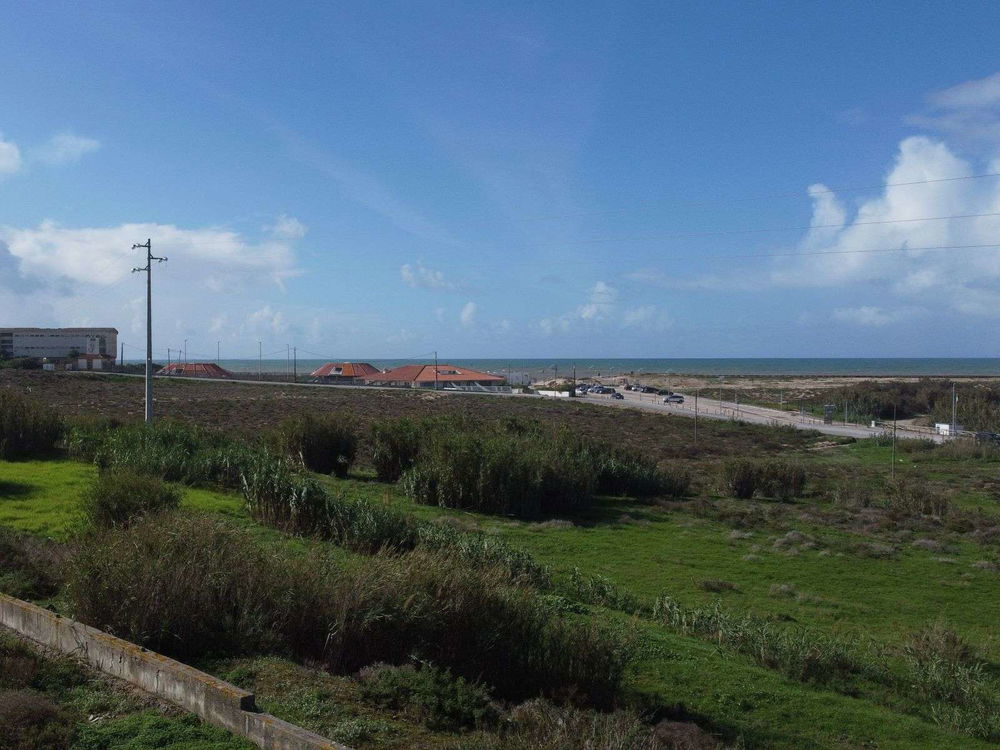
[617, 396]
[648, 389]
[664, 392]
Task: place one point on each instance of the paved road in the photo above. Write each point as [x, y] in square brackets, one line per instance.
[710, 408]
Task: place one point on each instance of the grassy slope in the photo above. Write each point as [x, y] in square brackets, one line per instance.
[655, 551]
[42, 497]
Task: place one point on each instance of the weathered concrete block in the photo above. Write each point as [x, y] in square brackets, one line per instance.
[215, 701]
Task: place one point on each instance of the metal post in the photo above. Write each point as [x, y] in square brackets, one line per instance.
[218, 353]
[148, 246]
[892, 472]
[435, 370]
[954, 411]
[260, 360]
[696, 417]
[295, 364]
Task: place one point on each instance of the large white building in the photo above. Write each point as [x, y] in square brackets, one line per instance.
[59, 343]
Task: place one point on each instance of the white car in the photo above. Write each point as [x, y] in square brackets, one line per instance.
[673, 398]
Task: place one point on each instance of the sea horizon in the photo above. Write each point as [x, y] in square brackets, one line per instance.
[711, 366]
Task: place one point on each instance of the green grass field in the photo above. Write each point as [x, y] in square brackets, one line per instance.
[830, 584]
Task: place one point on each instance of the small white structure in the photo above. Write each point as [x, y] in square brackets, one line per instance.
[944, 428]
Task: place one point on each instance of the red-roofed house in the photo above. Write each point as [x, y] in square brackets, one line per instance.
[424, 376]
[343, 372]
[195, 370]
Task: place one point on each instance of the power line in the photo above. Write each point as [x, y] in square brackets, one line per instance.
[800, 228]
[148, 268]
[903, 249]
[764, 196]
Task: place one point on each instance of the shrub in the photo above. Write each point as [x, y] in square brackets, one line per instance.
[539, 725]
[30, 721]
[395, 444]
[277, 496]
[906, 498]
[153, 582]
[623, 473]
[27, 427]
[483, 550]
[741, 477]
[939, 642]
[116, 498]
[432, 695]
[595, 589]
[782, 480]
[326, 445]
[29, 567]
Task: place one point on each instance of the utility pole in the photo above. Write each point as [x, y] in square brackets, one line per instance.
[218, 353]
[574, 379]
[148, 268]
[260, 360]
[121, 359]
[295, 364]
[435, 370]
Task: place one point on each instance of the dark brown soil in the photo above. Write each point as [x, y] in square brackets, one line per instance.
[250, 408]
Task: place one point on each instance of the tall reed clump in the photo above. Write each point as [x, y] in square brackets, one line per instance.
[394, 445]
[117, 498]
[27, 427]
[154, 581]
[743, 478]
[171, 451]
[324, 444]
[276, 495]
[905, 498]
[495, 473]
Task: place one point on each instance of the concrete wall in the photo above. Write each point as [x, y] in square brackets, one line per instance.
[215, 701]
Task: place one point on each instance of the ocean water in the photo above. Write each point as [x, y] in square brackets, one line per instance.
[722, 367]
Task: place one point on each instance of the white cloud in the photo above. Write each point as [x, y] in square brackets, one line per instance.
[602, 301]
[65, 148]
[468, 315]
[864, 316]
[10, 157]
[646, 316]
[902, 265]
[970, 110]
[287, 228]
[267, 322]
[420, 277]
[56, 275]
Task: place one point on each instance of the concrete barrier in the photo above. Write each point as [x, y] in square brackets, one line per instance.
[215, 701]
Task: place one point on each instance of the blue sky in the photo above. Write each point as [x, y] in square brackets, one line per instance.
[506, 180]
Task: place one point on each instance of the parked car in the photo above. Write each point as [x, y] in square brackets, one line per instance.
[674, 398]
[617, 396]
[665, 392]
[648, 389]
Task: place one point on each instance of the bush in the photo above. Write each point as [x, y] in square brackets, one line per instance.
[623, 473]
[30, 721]
[431, 695]
[277, 496]
[153, 582]
[29, 567]
[326, 445]
[939, 642]
[116, 498]
[395, 444]
[905, 498]
[782, 480]
[741, 478]
[27, 427]
[539, 725]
